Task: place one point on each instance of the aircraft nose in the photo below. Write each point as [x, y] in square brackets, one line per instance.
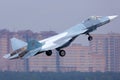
[112, 17]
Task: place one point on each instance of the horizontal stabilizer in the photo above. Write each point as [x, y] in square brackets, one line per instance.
[6, 56]
[17, 44]
[33, 44]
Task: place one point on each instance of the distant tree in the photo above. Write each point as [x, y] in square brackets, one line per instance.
[59, 76]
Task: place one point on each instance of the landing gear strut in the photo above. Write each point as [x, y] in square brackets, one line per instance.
[90, 38]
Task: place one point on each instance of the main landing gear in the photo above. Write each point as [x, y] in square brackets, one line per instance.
[90, 38]
[49, 52]
[62, 53]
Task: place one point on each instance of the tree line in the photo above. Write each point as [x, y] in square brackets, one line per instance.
[7, 75]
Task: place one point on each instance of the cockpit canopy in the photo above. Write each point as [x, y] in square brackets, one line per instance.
[93, 18]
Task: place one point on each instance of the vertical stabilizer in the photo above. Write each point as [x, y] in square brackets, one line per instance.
[17, 44]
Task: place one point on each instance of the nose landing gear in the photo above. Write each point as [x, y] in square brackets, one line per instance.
[90, 38]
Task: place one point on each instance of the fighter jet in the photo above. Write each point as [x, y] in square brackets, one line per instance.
[24, 50]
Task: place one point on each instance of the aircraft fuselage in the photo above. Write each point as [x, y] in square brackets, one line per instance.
[61, 40]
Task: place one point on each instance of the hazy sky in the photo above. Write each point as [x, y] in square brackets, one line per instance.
[57, 15]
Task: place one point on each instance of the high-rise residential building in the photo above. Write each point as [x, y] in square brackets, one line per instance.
[102, 54]
[37, 63]
[109, 45]
[42, 62]
[96, 62]
[79, 58]
[17, 64]
[4, 46]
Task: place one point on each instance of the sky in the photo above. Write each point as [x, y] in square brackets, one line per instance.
[56, 15]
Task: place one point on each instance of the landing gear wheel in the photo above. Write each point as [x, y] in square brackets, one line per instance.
[90, 38]
[49, 53]
[62, 53]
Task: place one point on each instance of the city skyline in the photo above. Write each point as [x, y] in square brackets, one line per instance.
[102, 54]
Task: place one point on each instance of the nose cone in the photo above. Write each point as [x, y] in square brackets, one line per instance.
[112, 17]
